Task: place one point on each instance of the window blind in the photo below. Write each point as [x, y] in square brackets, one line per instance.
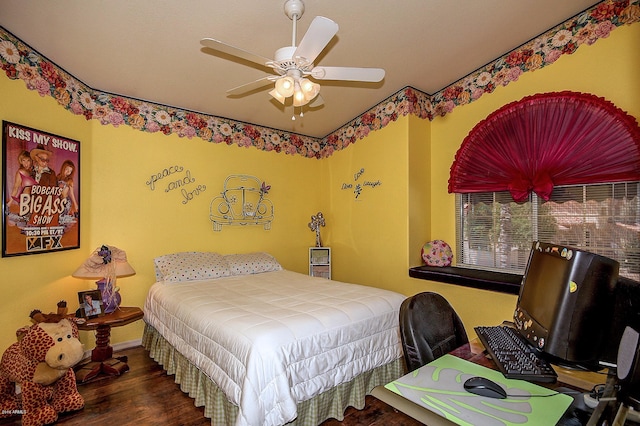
[494, 232]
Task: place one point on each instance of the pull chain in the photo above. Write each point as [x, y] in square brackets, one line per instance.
[293, 116]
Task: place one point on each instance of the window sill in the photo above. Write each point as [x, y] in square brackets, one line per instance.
[485, 280]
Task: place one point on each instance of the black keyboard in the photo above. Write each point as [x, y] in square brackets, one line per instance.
[514, 356]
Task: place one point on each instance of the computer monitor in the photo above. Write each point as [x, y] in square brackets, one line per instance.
[565, 305]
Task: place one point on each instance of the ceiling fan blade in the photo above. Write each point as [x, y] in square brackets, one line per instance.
[264, 81]
[319, 34]
[348, 73]
[233, 51]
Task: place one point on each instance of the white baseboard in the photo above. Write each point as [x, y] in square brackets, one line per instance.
[126, 345]
[118, 347]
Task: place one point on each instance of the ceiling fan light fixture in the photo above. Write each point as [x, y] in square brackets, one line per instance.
[277, 96]
[309, 88]
[285, 86]
[293, 64]
[299, 98]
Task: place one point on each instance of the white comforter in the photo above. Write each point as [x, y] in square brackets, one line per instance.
[274, 339]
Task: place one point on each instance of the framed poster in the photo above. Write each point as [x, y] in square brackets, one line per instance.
[40, 192]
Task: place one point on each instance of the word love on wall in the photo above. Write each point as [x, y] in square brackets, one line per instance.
[360, 184]
[176, 179]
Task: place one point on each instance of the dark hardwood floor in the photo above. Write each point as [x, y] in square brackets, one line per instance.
[146, 395]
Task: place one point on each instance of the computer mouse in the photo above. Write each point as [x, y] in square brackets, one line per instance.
[485, 387]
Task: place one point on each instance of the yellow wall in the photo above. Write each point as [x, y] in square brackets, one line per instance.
[377, 237]
[40, 281]
[147, 223]
[118, 208]
[374, 237]
[368, 233]
[609, 68]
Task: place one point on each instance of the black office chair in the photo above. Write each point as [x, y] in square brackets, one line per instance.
[429, 328]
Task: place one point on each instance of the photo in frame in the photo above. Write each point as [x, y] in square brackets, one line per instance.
[91, 305]
[41, 191]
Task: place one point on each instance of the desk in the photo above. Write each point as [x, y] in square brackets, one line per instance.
[582, 380]
[474, 352]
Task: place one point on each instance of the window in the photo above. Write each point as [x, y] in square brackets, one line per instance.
[495, 233]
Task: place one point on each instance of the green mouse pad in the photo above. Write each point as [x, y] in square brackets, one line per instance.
[438, 387]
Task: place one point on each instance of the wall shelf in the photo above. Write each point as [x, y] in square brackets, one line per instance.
[485, 280]
[320, 262]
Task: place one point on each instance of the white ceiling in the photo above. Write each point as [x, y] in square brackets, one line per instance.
[150, 49]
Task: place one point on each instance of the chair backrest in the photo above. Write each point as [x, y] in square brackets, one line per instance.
[429, 328]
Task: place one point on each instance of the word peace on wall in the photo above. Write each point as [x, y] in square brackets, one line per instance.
[176, 178]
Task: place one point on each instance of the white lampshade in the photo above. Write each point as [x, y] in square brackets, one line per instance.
[285, 86]
[309, 88]
[95, 266]
[298, 99]
[277, 96]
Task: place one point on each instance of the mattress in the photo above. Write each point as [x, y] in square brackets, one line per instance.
[272, 340]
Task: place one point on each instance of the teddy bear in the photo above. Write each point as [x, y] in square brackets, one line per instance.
[36, 373]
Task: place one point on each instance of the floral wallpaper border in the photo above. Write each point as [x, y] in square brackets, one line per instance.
[19, 61]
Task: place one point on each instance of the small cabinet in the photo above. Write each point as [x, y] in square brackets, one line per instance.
[320, 262]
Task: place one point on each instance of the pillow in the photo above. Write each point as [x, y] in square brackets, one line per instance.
[437, 253]
[252, 263]
[191, 265]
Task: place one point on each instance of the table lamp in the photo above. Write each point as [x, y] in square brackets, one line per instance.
[106, 263]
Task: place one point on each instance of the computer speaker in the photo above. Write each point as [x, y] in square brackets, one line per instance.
[629, 359]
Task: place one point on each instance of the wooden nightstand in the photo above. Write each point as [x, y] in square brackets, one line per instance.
[102, 360]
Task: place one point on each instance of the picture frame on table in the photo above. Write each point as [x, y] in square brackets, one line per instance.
[91, 305]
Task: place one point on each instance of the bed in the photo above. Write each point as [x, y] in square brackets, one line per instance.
[259, 345]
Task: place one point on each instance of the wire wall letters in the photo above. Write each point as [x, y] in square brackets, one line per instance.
[177, 179]
[359, 185]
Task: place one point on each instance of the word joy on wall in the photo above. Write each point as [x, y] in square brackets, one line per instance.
[176, 178]
[359, 185]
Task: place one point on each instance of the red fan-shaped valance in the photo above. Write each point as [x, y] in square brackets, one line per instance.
[548, 139]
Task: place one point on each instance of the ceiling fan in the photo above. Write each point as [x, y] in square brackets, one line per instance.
[293, 66]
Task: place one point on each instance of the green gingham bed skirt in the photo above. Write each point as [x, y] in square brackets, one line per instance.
[330, 404]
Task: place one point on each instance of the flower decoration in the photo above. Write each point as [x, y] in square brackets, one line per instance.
[19, 61]
[316, 222]
[105, 253]
[264, 188]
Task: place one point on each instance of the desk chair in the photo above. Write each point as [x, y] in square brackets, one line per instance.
[429, 328]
